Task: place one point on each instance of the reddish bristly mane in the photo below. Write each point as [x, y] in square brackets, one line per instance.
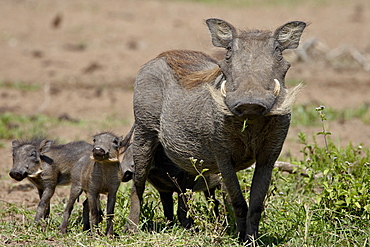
[191, 68]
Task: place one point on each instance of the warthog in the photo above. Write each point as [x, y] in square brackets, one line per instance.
[96, 173]
[168, 178]
[230, 114]
[46, 165]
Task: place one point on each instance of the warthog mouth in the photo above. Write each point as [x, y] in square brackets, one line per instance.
[104, 157]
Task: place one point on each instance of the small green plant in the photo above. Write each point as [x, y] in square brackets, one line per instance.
[324, 133]
[345, 176]
[200, 173]
[245, 125]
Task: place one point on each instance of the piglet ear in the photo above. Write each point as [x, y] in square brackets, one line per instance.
[45, 146]
[120, 142]
[222, 32]
[15, 143]
[289, 34]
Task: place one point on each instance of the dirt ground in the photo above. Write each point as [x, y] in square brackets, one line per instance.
[85, 56]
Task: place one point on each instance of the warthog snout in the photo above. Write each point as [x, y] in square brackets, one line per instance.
[18, 175]
[249, 110]
[127, 164]
[99, 152]
[127, 176]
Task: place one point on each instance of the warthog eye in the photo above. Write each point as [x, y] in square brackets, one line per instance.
[33, 154]
[228, 53]
[115, 143]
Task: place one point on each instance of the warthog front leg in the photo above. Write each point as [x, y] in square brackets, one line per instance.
[144, 147]
[110, 212]
[86, 214]
[260, 185]
[74, 194]
[94, 206]
[234, 192]
[265, 160]
[43, 208]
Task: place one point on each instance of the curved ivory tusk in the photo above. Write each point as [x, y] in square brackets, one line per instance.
[223, 88]
[39, 171]
[113, 159]
[277, 87]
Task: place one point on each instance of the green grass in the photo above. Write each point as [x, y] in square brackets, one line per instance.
[332, 209]
[299, 211]
[306, 115]
[13, 126]
[19, 86]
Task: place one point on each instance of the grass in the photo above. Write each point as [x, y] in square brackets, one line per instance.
[19, 85]
[329, 207]
[15, 126]
[305, 115]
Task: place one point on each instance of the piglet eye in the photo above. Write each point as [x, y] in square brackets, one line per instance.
[115, 141]
[228, 53]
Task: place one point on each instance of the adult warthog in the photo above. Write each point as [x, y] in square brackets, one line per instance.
[230, 114]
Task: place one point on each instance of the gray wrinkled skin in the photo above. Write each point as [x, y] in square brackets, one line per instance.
[205, 123]
[97, 172]
[46, 165]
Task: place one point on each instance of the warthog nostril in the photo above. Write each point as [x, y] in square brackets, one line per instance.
[98, 151]
[17, 175]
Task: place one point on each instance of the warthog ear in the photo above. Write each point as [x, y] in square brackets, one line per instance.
[15, 143]
[121, 142]
[289, 34]
[45, 146]
[222, 32]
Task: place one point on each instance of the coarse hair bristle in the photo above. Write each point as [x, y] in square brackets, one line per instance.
[191, 68]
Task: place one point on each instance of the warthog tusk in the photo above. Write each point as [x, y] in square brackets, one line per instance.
[223, 88]
[35, 174]
[277, 87]
[109, 159]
